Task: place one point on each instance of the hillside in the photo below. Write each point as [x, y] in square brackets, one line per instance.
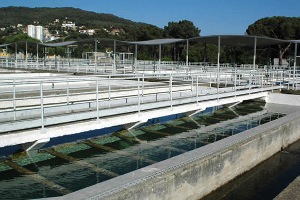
[23, 15]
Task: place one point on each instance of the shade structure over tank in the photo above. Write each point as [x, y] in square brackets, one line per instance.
[239, 40]
[158, 41]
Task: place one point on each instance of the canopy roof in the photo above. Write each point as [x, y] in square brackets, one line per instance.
[157, 41]
[59, 44]
[225, 40]
[239, 40]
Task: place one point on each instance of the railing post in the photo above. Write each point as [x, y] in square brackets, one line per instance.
[97, 99]
[42, 106]
[235, 74]
[139, 97]
[14, 99]
[171, 91]
[197, 88]
[68, 94]
[262, 80]
[273, 81]
[143, 85]
[209, 80]
[109, 89]
[250, 80]
[192, 85]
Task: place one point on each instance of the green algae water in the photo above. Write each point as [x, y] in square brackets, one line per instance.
[61, 169]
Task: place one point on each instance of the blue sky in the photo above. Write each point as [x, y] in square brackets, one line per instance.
[212, 17]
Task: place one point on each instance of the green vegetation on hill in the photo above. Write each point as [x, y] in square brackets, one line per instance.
[23, 15]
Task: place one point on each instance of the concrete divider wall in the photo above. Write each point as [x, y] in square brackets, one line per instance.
[197, 173]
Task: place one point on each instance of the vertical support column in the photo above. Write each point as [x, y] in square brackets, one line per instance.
[218, 65]
[42, 106]
[44, 49]
[250, 80]
[171, 91]
[143, 86]
[114, 66]
[109, 90]
[14, 99]
[159, 58]
[55, 58]
[187, 53]
[6, 57]
[197, 88]
[68, 94]
[26, 55]
[37, 56]
[295, 63]
[235, 74]
[254, 54]
[273, 82]
[97, 99]
[139, 97]
[95, 57]
[16, 52]
[135, 58]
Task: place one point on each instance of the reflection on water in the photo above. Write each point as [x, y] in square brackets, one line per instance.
[54, 170]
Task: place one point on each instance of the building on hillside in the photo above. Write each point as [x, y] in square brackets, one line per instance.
[68, 24]
[36, 32]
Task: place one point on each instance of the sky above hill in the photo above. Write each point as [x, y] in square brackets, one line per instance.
[212, 17]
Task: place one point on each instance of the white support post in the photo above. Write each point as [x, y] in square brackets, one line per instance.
[235, 74]
[187, 53]
[6, 57]
[114, 67]
[68, 94]
[135, 58]
[95, 57]
[139, 97]
[14, 99]
[159, 59]
[192, 85]
[97, 99]
[109, 90]
[171, 91]
[37, 56]
[26, 57]
[197, 88]
[250, 80]
[295, 63]
[42, 107]
[218, 70]
[254, 54]
[143, 86]
[16, 52]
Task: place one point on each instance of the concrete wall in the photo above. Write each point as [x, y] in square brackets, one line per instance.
[197, 173]
[285, 99]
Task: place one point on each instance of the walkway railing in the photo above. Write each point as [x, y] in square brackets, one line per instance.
[44, 101]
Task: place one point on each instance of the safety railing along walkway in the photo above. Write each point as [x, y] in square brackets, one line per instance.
[27, 104]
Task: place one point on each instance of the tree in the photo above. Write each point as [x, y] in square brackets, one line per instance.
[286, 28]
[183, 29]
[20, 37]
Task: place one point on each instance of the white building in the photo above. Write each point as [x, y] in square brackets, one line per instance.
[69, 25]
[36, 32]
[39, 31]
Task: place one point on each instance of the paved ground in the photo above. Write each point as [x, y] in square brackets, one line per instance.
[291, 191]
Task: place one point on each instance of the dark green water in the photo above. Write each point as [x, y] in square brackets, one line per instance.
[265, 181]
[65, 168]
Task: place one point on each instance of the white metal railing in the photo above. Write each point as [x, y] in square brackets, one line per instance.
[90, 66]
[44, 101]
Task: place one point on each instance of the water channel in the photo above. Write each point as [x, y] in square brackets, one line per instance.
[59, 169]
